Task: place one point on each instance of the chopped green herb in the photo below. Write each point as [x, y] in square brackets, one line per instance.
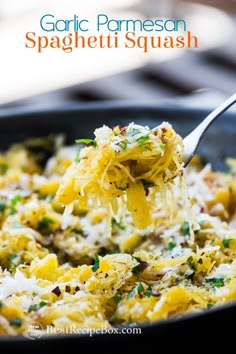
[162, 146]
[87, 142]
[185, 228]
[16, 322]
[226, 242]
[3, 168]
[96, 263]
[140, 267]
[216, 282]
[13, 202]
[191, 263]
[113, 318]
[171, 245]
[44, 223]
[136, 269]
[123, 144]
[16, 199]
[143, 140]
[138, 289]
[12, 257]
[36, 307]
[12, 267]
[13, 210]
[2, 206]
[117, 298]
[77, 157]
[79, 232]
[128, 322]
[148, 292]
[210, 305]
[104, 251]
[1, 304]
[118, 224]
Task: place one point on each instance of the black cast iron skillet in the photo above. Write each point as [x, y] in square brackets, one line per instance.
[186, 333]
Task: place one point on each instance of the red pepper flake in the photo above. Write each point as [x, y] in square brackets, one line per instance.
[156, 238]
[123, 130]
[57, 291]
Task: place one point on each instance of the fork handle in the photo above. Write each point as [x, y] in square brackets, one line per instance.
[192, 140]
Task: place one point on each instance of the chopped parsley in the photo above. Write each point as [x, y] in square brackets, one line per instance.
[210, 305]
[87, 142]
[143, 141]
[1, 304]
[118, 224]
[191, 262]
[3, 168]
[162, 146]
[2, 206]
[16, 322]
[77, 157]
[140, 267]
[226, 242]
[36, 307]
[13, 202]
[138, 289]
[148, 292]
[79, 232]
[117, 298]
[185, 228]
[216, 282]
[128, 322]
[12, 257]
[44, 223]
[171, 245]
[113, 318]
[123, 144]
[12, 267]
[96, 263]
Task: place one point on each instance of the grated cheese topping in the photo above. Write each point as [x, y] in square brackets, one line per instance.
[60, 264]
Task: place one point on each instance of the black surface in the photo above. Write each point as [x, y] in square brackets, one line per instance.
[187, 333]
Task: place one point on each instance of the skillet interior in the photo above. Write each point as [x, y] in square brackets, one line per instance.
[80, 121]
